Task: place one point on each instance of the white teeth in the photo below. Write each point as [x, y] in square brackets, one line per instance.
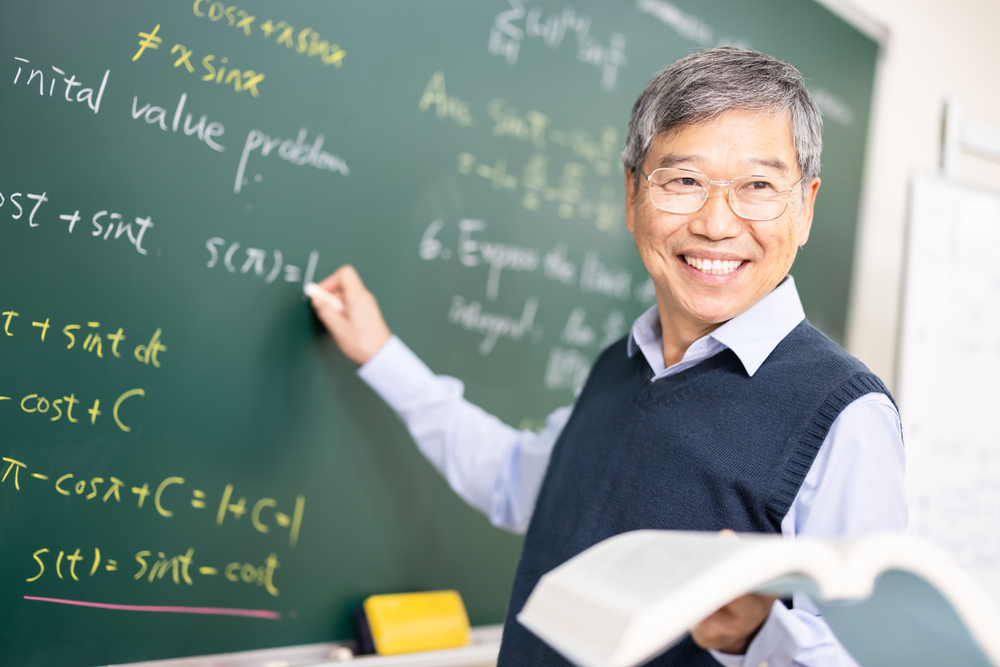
[717, 267]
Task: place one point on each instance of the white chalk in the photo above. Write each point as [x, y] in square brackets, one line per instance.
[315, 291]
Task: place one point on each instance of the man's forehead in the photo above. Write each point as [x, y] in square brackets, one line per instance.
[677, 159]
[738, 115]
[750, 136]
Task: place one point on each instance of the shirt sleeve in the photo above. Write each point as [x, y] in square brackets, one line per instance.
[492, 466]
[854, 487]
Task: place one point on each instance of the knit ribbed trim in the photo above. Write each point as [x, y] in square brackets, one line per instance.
[811, 438]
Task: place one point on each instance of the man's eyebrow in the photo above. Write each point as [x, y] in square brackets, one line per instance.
[672, 159]
[774, 163]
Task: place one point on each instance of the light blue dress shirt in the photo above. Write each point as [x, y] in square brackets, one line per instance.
[854, 487]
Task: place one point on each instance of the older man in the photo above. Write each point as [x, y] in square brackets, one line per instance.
[723, 409]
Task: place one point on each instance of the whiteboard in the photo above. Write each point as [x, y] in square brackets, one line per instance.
[948, 382]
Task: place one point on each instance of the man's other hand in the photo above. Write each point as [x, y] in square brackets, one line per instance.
[359, 330]
[733, 627]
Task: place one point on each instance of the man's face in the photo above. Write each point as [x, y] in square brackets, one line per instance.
[737, 143]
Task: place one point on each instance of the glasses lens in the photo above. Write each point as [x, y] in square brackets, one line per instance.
[759, 197]
[677, 190]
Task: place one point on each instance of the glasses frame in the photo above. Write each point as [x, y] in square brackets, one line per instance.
[729, 193]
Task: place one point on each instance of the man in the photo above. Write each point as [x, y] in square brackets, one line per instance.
[723, 408]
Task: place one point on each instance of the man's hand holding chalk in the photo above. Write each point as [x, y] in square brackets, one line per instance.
[314, 291]
[350, 313]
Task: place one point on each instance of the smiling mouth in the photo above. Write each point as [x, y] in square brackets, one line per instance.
[713, 267]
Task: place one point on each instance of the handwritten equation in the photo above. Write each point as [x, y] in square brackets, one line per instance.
[147, 353]
[252, 261]
[39, 405]
[216, 71]
[306, 41]
[583, 187]
[104, 224]
[165, 497]
[507, 34]
[152, 568]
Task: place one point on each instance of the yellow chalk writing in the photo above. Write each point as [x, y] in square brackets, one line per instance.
[148, 41]
[94, 342]
[307, 41]
[41, 565]
[38, 404]
[185, 58]
[255, 515]
[16, 467]
[444, 106]
[265, 515]
[149, 352]
[6, 325]
[116, 338]
[115, 485]
[121, 399]
[72, 339]
[141, 559]
[246, 80]
[142, 492]
[159, 493]
[72, 563]
[70, 401]
[60, 480]
[44, 326]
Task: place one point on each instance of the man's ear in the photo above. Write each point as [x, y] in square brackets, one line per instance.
[806, 219]
[630, 199]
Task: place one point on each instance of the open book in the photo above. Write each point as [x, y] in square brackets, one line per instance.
[890, 599]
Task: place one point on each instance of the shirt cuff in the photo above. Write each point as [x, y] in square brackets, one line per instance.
[396, 374]
[773, 646]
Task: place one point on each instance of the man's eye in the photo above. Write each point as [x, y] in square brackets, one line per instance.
[676, 183]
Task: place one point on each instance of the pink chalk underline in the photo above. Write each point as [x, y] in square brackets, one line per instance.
[217, 611]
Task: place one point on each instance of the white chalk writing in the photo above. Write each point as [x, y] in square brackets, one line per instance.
[470, 316]
[566, 369]
[252, 261]
[498, 256]
[82, 95]
[596, 277]
[506, 37]
[158, 116]
[295, 151]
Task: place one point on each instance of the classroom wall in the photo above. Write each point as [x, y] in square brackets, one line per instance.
[934, 49]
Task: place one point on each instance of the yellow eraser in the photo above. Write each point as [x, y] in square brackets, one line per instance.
[410, 622]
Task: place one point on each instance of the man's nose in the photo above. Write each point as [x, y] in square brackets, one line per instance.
[716, 219]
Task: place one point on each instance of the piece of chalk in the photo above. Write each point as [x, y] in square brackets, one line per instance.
[314, 290]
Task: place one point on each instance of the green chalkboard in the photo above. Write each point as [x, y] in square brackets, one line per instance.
[177, 429]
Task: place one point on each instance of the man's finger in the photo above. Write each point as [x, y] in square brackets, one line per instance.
[349, 279]
[336, 323]
[318, 294]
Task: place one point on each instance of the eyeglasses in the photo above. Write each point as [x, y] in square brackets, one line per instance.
[751, 197]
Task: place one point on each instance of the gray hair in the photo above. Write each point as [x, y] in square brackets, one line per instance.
[704, 85]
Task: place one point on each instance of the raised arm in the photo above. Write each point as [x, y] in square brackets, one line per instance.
[494, 467]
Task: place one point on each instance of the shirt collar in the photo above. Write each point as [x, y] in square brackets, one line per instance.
[752, 335]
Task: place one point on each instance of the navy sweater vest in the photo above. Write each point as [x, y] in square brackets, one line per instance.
[705, 449]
